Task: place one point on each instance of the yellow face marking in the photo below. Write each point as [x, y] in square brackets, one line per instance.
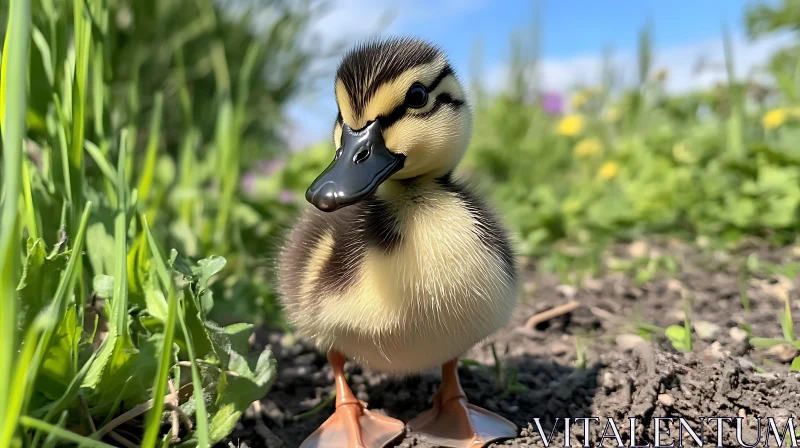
[337, 135]
[345, 106]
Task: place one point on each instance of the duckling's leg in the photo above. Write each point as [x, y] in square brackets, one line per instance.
[453, 422]
[352, 425]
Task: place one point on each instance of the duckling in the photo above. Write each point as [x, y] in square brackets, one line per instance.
[399, 266]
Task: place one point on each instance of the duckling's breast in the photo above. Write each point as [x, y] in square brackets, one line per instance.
[408, 284]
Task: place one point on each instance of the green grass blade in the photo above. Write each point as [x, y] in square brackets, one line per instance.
[146, 180]
[13, 105]
[226, 147]
[786, 323]
[31, 223]
[160, 384]
[44, 50]
[187, 176]
[83, 39]
[200, 407]
[766, 342]
[51, 439]
[25, 369]
[97, 155]
[120, 297]
[62, 433]
[63, 147]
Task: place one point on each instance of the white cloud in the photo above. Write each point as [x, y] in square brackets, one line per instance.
[680, 62]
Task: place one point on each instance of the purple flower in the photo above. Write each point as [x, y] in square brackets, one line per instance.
[286, 197]
[552, 103]
[271, 166]
[248, 182]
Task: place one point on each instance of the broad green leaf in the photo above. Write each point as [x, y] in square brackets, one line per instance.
[56, 371]
[156, 302]
[677, 336]
[239, 335]
[796, 364]
[39, 280]
[236, 393]
[99, 246]
[103, 285]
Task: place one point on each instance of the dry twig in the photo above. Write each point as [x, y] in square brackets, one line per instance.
[552, 313]
[122, 440]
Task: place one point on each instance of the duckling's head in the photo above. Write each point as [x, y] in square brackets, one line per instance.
[402, 114]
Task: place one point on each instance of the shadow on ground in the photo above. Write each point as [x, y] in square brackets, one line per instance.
[305, 380]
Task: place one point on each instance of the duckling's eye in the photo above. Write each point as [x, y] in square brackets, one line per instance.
[417, 96]
[338, 154]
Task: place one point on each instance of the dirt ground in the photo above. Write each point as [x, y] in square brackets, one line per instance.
[615, 373]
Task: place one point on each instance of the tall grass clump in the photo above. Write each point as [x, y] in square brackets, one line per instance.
[120, 236]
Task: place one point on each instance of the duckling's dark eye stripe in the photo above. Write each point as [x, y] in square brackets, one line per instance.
[446, 71]
[441, 100]
[394, 115]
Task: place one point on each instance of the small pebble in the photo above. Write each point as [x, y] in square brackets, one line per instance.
[676, 315]
[567, 291]
[628, 341]
[737, 334]
[675, 285]
[705, 330]
[715, 351]
[742, 413]
[608, 380]
[304, 360]
[783, 352]
[638, 249]
[287, 340]
[666, 399]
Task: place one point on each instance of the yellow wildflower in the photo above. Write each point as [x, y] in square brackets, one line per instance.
[775, 118]
[580, 98]
[588, 147]
[609, 170]
[571, 125]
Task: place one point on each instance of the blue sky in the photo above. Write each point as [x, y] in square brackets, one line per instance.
[573, 35]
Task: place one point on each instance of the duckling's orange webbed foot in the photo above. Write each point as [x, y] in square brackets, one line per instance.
[453, 422]
[352, 425]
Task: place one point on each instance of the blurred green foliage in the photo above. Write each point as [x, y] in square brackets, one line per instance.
[134, 252]
[720, 164]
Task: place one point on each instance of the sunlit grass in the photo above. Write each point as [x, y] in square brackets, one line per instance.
[13, 87]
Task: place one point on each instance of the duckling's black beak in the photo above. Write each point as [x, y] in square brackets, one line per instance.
[360, 166]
